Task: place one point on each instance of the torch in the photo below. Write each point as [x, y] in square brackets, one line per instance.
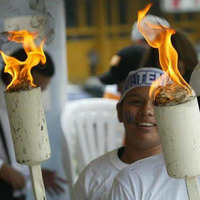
[179, 129]
[176, 108]
[25, 110]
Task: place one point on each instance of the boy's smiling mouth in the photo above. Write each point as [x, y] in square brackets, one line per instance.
[145, 124]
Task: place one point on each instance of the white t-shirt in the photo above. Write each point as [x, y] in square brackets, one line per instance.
[147, 179]
[95, 182]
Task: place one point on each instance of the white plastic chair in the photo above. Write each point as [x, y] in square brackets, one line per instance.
[90, 129]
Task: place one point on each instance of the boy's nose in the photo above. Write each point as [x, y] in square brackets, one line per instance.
[147, 110]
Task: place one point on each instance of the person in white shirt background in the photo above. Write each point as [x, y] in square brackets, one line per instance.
[11, 172]
[136, 112]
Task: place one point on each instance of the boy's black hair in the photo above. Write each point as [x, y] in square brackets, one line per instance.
[47, 69]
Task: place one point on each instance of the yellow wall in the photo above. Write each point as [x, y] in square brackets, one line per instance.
[78, 64]
[106, 39]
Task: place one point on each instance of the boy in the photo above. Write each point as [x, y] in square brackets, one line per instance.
[136, 112]
[146, 179]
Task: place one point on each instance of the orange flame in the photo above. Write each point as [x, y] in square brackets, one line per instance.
[159, 36]
[21, 70]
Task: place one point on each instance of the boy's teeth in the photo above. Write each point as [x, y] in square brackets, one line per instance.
[145, 124]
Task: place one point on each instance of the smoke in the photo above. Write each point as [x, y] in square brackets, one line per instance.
[38, 19]
[4, 43]
[3, 38]
[14, 12]
[42, 20]
[38, 5]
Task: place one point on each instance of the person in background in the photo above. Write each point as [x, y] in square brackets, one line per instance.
[126, 60]
[121, 64]
[14, 177]
[187, 55]
[136, 112]
[136, 37]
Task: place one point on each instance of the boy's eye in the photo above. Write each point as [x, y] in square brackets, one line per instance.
[135, 102]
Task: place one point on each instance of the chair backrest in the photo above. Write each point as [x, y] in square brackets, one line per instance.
[90, 129]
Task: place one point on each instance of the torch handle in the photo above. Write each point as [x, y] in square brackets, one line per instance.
[193, 188]
[37, 182]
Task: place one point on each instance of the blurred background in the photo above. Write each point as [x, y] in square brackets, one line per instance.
[83, 37]
[96, 30]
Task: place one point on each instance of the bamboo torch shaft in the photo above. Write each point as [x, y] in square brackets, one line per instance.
[37, 182]
[193, 188]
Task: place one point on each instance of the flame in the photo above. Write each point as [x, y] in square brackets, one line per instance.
[21, 70]
[158, 35]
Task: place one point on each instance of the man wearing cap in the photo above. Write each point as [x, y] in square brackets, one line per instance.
[122, 63]
[136, 112]
[126, 60]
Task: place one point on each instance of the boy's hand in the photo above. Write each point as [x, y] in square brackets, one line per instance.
[52, 182]
[12, 176]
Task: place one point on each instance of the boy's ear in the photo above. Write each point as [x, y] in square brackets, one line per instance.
[119, 112]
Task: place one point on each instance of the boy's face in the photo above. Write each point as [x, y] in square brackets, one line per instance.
[137, 114]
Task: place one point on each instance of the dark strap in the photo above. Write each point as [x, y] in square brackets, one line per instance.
[198, 99]
[6, 191]
[4, 142]
[23, 197]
